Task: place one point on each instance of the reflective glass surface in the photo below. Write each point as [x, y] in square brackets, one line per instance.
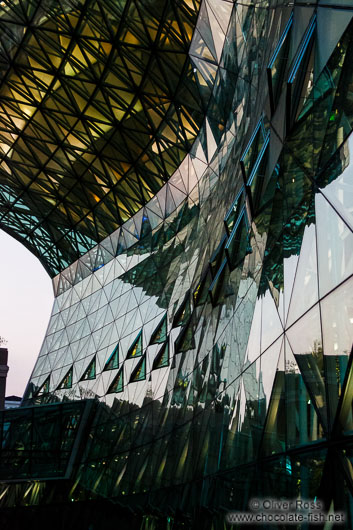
[214, 326]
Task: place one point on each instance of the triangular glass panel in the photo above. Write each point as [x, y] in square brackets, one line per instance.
[251, 417]
[186, 339]
[90, 372]
[257, 382]
[335, 81]
[344, 418]
[337, 330]
[222, 11]
[290, 264]
[270, 361]
[238, 243]
[217, 33]
[162, 358]
[298, 192]
[217, 257]
[145, 225]
[305, 291]
[66, 382]
[113, 360]
[218, 287]
[336, 182]
[237, 447]
[307, 96]
[330, 27]
[297, 78]
[211, 142]
[271, 326]
[252, 150]
[274, 437]
[277, 65]
[305, 340]
[139, 372]
[302, 421]
[183, 312]
[234, 211]
[202, 46]
[44, 389]
[173, 365]
[335, 246]
[135, 349]
[117, 385]
[199, 167]
[254, 340]
[258, 193]
[201, 291]
[160, 333]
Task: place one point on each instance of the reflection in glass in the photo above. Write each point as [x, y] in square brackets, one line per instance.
[305, 340]
[335, 246]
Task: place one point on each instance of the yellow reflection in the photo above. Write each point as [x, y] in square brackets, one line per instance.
[5, 148]
[39, 72]
[130, 38]
[27, 110]
[76, 117]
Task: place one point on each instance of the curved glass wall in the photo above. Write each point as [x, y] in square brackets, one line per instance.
[216, 335]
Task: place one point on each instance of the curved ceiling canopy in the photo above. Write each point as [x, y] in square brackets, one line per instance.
[98, 106]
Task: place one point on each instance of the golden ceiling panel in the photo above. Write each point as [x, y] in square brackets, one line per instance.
[92, 105]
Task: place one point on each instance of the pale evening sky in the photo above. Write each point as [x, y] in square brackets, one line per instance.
[26, 299]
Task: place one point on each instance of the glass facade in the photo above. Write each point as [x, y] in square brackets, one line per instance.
[213, 325]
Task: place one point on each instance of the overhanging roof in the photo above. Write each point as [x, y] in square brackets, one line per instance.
[99, 104]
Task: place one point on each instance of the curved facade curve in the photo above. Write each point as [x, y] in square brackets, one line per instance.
[100, 104]
[213, 330]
